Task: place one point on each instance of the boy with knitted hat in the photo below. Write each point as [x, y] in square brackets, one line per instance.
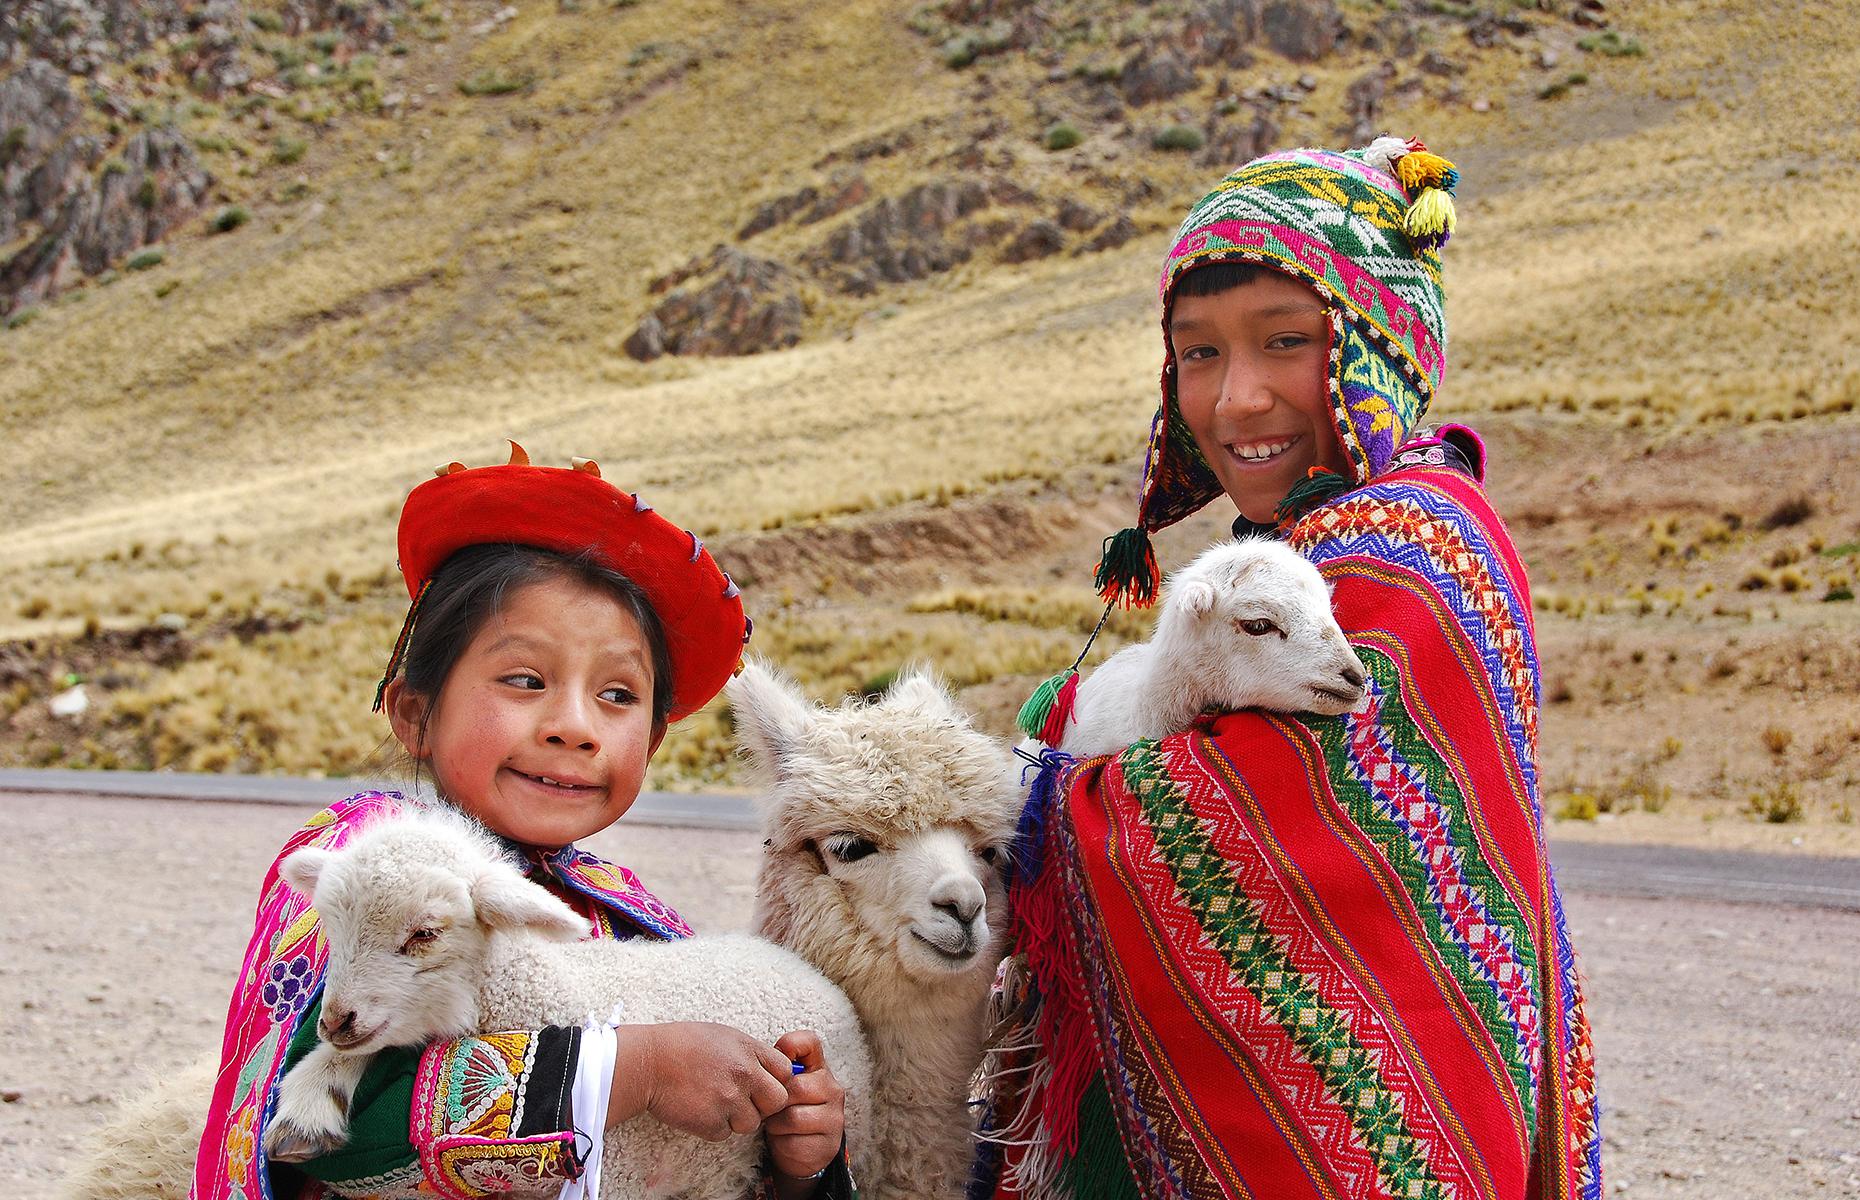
[1282, 954]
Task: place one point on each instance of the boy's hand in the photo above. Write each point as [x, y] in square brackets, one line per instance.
[707, 1080]
[805, 1136]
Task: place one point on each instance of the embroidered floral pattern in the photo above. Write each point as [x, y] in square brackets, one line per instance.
[288, 987]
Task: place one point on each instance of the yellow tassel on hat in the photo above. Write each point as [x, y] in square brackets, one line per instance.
[1431, 218]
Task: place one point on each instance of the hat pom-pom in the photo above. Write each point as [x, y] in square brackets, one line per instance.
[1428, 179]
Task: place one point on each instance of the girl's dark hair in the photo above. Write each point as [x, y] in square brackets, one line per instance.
[469, 589]
[1211, 279]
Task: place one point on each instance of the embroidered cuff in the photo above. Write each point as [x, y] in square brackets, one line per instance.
[491, 1114]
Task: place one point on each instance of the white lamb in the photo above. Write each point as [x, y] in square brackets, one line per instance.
[886, 824]
[1246, 625]
[434, 934]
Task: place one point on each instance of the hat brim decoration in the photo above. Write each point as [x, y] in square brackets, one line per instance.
[572, 510]
[1362, 228]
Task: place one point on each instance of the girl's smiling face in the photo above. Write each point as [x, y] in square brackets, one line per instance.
[1253, 384]
[544, 725]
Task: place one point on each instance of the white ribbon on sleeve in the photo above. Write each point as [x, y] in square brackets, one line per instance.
[594, 1080]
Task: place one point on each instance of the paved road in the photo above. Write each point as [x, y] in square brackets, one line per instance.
[652, 808]
[1596, 869]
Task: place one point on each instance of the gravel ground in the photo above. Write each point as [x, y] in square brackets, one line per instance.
[1728, 1034]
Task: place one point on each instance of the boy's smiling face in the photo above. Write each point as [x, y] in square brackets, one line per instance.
[1252, 382]
[543, 727]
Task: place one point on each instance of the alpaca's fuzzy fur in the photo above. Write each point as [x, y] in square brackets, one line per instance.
[146, 1150]
[914, 927]
[497, 963]
[1203, 655]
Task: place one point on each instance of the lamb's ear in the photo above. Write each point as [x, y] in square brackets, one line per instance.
[771, 716]
[302, 869]
[1196, 597]
[506, 900]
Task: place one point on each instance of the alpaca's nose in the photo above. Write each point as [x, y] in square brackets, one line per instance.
[964, 911]
[1354, 677]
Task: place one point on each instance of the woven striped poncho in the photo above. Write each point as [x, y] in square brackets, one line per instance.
[1286, 956]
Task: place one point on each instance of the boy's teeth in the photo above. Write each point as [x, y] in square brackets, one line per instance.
[1259, 452]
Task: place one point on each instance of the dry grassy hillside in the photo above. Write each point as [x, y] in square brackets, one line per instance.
[1655, 278]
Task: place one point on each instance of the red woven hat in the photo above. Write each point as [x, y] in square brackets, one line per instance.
[572, 510]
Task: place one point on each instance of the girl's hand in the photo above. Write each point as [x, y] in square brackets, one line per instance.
[708, 1080]
[805, 1136]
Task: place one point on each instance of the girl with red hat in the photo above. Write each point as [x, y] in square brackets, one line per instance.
[558, 626]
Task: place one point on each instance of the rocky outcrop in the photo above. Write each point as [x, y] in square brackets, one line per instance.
[1111, 236]
[1362, 102]
[740, 305]
[92, 220]
[810, 205]
[1217, 32]
[1238, 139]
[1174, 39]
[1040, 239]
[1302, 30]
[91, 207]
[1156, 73]
[85, 197]
[902, 238]
[81, 36]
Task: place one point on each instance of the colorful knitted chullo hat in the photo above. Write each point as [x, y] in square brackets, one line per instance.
[572, 510]
[1364, 229]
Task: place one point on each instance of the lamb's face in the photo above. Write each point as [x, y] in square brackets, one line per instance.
[1258, 615]
[404, 948]
[407, 910]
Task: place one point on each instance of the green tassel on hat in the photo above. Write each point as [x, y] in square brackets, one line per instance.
[1127, 572]
[1316, 487]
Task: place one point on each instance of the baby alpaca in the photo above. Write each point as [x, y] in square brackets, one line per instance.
[1246, 625]
[886, 825]
[433, 934]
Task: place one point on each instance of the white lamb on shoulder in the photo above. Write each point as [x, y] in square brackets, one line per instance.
[434, 934]
[887, 824]
[1248, 624]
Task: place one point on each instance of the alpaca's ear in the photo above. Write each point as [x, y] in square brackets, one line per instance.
[918, 688]
[771, 715]
[506, 900]
[302, 869]
[1196, 597]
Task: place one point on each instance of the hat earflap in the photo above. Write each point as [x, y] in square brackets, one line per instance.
[1428, 180]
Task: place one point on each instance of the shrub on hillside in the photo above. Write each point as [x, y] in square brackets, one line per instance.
[148, 256]
[230, 218]
[288, 149]
[1612, 44]
[492, 82]
[1063, 136]
[1179, 137]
